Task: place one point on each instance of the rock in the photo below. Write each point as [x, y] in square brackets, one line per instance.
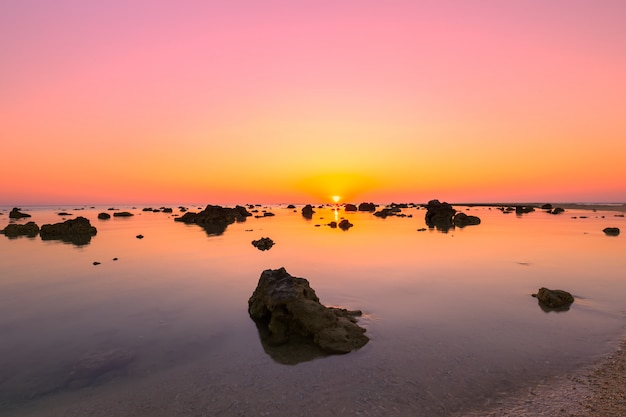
[93, 366]
[439, 215]
[265, 243]
[14, 230]
[422, 229]
[546, 207]
[139, 236]
[557, 210]
[77, 231]
[17, 214]
[345, 224]
[147, 209]
[291, 206]
[350, 207]
[104, 216]
[611, 231]
[96, 263]
[288, 307]
[215, 219]
[367, 207]
[554, 298]
[307, 211]
[524, 209]
[122, 214]
[462, 220]
[64, 214]
[167, 210]
[333, 224]
[388, 211]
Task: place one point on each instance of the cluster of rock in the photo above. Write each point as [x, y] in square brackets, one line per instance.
[265, 243]
[77, 231]
[215, 219]
[444, 217]
[287, 307]
[13, 230]
[343, 224]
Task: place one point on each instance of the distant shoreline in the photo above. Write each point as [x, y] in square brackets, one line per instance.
[621, 207]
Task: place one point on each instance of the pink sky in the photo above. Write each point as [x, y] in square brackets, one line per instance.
[281, 101]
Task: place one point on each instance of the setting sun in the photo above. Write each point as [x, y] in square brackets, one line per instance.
[336, 198]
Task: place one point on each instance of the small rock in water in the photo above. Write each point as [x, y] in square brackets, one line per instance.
[554, 298]
[265, 243]
[611, 231]
[139, 236]
[96, 263]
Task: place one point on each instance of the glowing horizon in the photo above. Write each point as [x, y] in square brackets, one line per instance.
[151, 102]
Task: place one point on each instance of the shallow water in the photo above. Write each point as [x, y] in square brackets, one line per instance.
[450, 315]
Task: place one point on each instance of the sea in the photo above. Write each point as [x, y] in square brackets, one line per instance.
[158, 326]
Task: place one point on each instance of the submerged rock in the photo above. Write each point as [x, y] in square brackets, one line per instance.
[91, 367]
[13, 230]
[265, 243]
[77, 231]
[287, 307]
[611, 231]
[215, 219]
[17, 214]
[554, 298]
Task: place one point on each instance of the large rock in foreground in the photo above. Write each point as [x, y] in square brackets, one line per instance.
[288, 306]
[439, 215]
[215, 219]
[77, 231]
[554, 298]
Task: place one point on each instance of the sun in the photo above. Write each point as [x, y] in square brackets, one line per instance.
[336, 198]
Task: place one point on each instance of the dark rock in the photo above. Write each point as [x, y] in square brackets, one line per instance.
[345, 224]
[439, 215]
[167, 210]
[96, 263]
[265, 243]
[268, 214]
[554, 298]
[122, 214]
[524, 209]
[64, 214]
[423, 229]
[77, 231]
[139, 236]
[462, 220]
[367, 207]
[333, 225]
[291, 206]
[350, 207]
[13, 230]
[307, 211]
[147, 209]
[546, 207]
[215, 219]
[287, 306]
[557, 210]
[93, 366]
[104, 216]
[611, 231]
[388, 211]
[17, 214]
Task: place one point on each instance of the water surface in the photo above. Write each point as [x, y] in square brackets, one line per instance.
[164, 328]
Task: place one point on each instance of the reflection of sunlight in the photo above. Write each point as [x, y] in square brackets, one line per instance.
[336, 198]
[336, 211]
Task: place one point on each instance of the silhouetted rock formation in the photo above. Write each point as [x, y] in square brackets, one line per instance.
[13, 230]
[288, 307]
[307, 211]
[367, 207]
[350, 207]
[17, 214]
[77, 231]
[123, 214]
[611, 231]
[104, 216]
[462, 220]
[557, 210]
[265, 243]
[215, 219]
[546, 207]
[524, 209]
[554, 299]
[439, 215]
[345, 224]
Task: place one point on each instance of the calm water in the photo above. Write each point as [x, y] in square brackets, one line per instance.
[450, 315]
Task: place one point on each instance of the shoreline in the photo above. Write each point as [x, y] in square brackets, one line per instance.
[597, 390]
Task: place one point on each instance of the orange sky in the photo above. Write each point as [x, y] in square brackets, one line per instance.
[293, 102]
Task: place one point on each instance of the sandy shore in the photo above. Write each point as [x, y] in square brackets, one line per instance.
[597, 391]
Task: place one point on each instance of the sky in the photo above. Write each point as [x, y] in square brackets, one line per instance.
[234, 101]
